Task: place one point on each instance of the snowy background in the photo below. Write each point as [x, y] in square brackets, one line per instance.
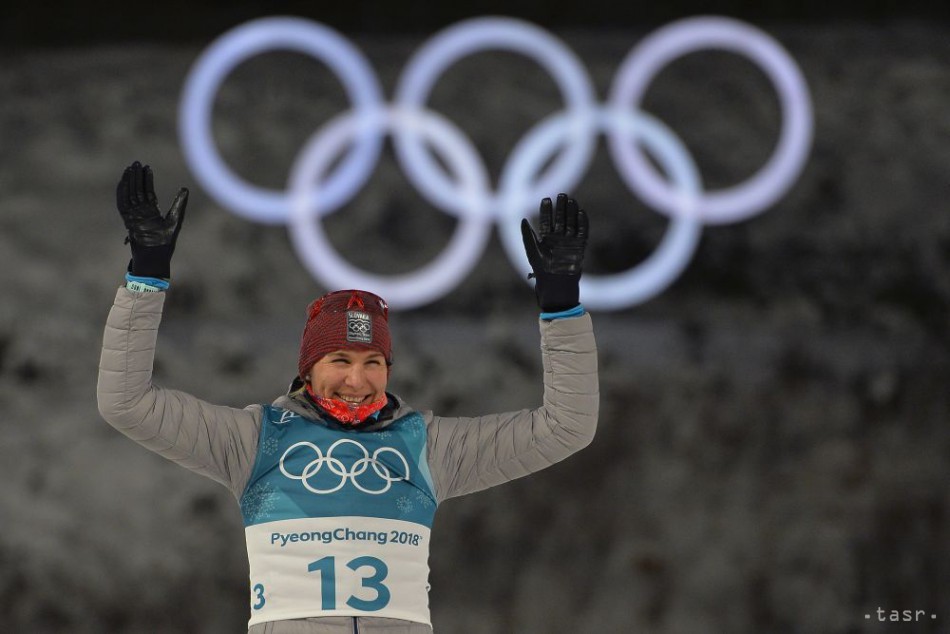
[773, 446]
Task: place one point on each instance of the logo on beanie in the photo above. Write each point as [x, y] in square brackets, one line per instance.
[359, 326]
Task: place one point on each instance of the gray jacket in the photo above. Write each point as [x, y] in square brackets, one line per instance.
[465, 454]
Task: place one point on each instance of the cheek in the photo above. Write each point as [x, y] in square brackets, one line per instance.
[379, 379]
[328, 378]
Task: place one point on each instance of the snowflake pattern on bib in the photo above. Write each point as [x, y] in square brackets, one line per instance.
[259, 500]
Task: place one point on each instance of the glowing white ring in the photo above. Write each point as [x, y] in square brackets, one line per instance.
[217, 62]
[472, 200]
[438, 276]
[675, 40]
[654, 274]
[474, 36]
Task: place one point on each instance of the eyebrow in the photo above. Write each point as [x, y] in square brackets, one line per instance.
[343, 354]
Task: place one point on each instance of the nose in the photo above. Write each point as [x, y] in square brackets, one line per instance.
[355, 376]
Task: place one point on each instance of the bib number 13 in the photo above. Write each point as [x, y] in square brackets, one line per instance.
[373, 581]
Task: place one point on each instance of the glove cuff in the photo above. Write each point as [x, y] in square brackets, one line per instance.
[557, 292]
[151, 261]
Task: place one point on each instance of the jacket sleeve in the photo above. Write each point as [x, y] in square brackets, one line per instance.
[471, 454]
[215, 441]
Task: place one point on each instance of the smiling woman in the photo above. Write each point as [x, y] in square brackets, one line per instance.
[338, 454]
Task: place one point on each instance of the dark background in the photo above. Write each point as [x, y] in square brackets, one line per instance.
[773, 445]
[109, 21]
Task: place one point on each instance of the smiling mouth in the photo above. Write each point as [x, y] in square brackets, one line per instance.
[352, 400]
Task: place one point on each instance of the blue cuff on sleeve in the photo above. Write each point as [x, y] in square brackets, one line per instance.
[577, 311]
[139, 283]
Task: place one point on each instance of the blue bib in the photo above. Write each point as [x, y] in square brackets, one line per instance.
[306, 469]
[338, 522]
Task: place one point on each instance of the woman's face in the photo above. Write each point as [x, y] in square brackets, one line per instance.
[356, 377]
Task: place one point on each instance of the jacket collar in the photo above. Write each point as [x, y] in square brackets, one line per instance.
[298, 401]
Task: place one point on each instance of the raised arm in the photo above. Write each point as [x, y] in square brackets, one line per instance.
[469, 454]
[215, 441]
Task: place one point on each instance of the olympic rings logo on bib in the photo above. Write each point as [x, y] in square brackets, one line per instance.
[382, 478]
[318, 185]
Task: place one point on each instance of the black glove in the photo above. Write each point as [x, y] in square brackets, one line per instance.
[556, 256]
[152, 235]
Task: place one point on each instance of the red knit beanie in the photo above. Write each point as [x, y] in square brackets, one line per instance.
[344, 320]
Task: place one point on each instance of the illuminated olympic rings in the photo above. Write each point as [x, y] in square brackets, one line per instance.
[569, 136]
